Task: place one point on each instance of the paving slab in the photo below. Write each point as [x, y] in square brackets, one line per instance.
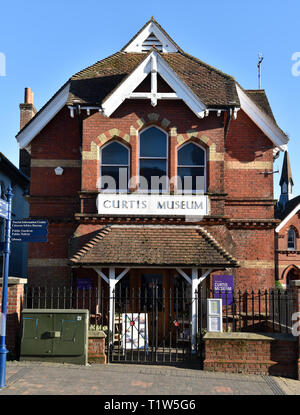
[40, 378]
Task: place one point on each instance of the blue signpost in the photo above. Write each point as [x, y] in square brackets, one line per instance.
[5, 212]
[15, 231]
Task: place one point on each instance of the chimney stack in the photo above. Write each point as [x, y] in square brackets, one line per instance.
[27, 111]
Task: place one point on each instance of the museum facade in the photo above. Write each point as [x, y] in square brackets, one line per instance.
[152, 165]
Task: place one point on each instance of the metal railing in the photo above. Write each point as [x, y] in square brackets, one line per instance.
[260, 311]
[68, 298]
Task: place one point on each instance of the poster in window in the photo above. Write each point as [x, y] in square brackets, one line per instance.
[135, 331]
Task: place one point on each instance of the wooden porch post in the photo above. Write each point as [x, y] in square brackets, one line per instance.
[112, 281]
[112, 285]
[195, 283]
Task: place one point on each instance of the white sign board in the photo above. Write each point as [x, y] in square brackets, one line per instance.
[214, 315]
[139, 204]
[135, 331]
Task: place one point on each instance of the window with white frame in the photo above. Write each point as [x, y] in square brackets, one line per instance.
[114, 165]
[153, 160]
[291, 239]
[191, 166]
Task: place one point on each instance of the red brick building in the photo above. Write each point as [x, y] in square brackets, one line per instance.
[287, 253]
[152, 109]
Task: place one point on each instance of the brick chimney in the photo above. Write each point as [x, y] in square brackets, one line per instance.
[27, 111]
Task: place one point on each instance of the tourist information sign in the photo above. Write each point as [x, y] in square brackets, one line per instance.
[6, 214]
[29, 230]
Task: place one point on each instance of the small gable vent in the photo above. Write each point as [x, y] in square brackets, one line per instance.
[150, 42]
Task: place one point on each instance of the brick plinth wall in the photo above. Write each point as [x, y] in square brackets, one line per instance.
[14, 303]
[96, 347]
[249, 353]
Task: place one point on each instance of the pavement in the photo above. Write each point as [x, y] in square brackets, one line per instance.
[40, 378]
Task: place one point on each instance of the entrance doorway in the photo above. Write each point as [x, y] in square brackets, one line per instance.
[153, 317]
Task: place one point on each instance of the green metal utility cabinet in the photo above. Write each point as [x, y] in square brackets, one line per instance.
[55, 335]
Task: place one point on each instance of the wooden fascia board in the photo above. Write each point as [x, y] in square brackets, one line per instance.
[287, 218]
[42, 118]
[126, 88]
[167, 44]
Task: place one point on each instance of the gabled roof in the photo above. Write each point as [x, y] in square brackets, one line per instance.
[206, 86]
[153, 62]
[213, 87]
[151, 27]
[291, 208]
[149, 245]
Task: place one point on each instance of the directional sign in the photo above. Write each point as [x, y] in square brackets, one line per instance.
[29, 224]
[3, 209]
[29, 231]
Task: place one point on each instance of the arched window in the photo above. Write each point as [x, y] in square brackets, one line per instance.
[291, 239]
[153, 163]
[114, 161]
[191, 168]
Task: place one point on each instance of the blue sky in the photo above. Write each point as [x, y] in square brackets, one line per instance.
[47, 42]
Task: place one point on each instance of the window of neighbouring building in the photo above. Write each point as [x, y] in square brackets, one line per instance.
[114, 161]
[153, 160]
[291, 239]
[191, 168]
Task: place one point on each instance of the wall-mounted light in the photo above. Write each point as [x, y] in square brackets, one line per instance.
[59, 171]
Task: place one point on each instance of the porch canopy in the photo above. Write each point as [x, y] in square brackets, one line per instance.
[168, 246]
[148, 245]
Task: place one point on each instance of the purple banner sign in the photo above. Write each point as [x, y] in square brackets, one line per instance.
[223, 288]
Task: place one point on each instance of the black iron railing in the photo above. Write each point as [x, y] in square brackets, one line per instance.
[268, 310]
[68, 298]
[165, 325]
[260, 311]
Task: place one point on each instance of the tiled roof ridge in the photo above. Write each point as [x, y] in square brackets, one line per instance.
[255, 90]
[197, 60]
[216, 244]
[90, 244]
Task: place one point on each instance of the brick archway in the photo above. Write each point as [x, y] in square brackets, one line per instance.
[291, 272]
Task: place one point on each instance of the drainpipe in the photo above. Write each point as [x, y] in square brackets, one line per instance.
[228, 119]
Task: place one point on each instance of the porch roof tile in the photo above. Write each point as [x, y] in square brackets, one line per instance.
[147, 245]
